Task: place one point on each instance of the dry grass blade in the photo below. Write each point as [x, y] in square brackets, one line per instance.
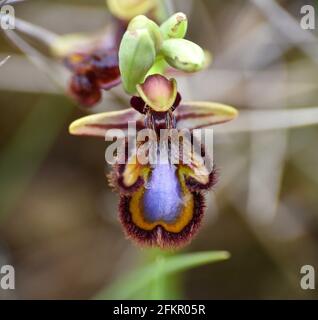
[4, 61]
[53, 71]
[41, 34]
[262, 120]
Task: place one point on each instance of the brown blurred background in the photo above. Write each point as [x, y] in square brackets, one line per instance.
[58, 217]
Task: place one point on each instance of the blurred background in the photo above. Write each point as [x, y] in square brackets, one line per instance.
[58, 217]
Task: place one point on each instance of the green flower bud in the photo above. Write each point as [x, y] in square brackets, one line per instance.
[142, 22]
[127, 9]
[175, 27]
[137, 54]
[183, 55]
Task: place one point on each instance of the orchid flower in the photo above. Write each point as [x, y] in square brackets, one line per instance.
[93, 62]
[161, 204]
[161, 199]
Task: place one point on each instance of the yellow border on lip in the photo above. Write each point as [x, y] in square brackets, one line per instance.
[186, 214]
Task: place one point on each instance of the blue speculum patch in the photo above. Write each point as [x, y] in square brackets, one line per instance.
[163, 196]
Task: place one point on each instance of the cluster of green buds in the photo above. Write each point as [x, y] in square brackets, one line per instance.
[147, 48]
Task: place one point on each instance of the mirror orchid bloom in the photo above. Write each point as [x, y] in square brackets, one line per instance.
[161, 204]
